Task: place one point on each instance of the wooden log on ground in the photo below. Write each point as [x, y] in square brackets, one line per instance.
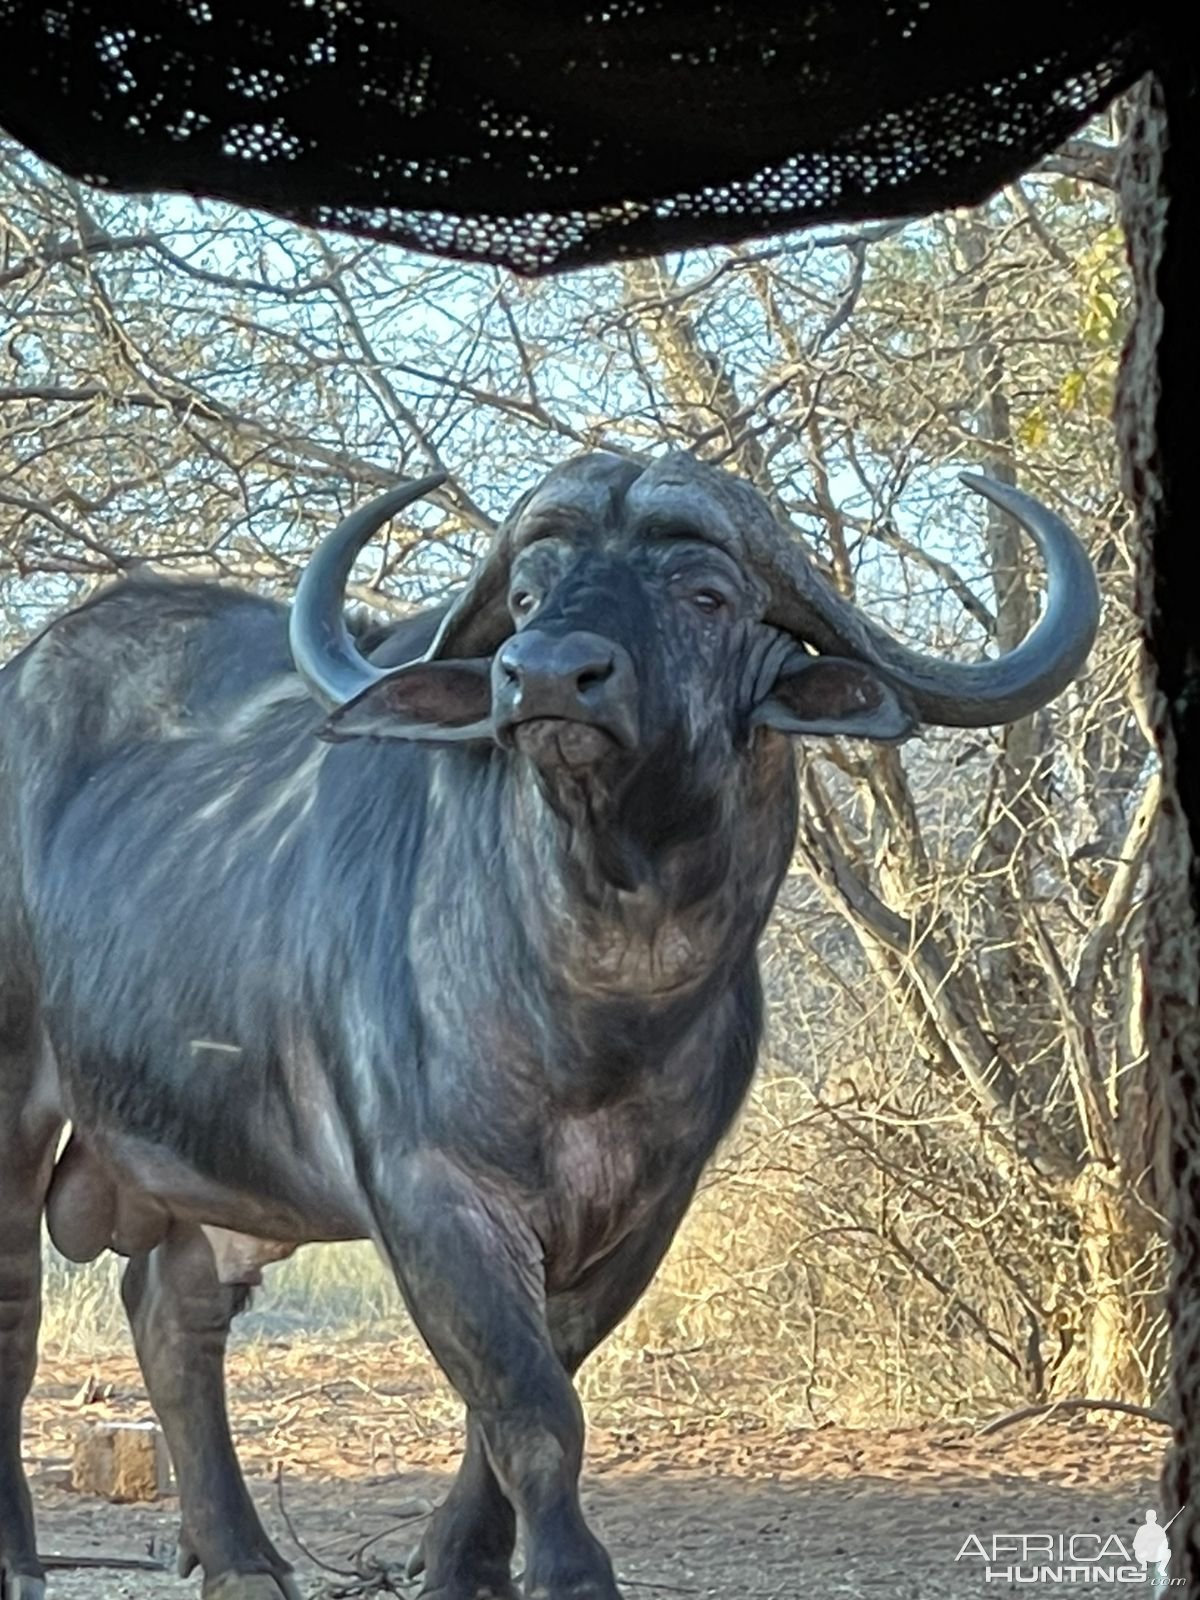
[121, 1461]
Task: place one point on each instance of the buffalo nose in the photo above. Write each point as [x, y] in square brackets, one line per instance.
[537, 664]
[575, 677]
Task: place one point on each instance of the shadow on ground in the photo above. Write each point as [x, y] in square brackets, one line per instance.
[707, 1510]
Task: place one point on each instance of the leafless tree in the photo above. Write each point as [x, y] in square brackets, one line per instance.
[951, 1179]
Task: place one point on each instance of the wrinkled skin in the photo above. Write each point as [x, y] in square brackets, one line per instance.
[473, 976]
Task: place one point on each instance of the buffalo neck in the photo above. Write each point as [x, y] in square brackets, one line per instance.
[622, 966]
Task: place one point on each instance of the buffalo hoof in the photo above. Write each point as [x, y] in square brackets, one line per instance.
[458, 1588]
[471, 1591]
[251, 1586]
[262, 1585]
[22, 1586]
[585, 1589]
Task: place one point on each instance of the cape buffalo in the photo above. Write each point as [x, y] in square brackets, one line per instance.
[463, 963]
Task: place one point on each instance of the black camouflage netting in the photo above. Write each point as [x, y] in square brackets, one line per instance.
[545, 135]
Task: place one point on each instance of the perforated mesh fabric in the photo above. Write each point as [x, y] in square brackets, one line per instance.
[542, 135]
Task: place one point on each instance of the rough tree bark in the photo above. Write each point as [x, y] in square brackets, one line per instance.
[1155, 416]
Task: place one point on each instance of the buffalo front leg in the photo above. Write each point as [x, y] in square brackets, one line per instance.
[26, 1157]
[468, 1546]
[471, 1272]
[583, 1316]
[180, 1314]
[473, 1530]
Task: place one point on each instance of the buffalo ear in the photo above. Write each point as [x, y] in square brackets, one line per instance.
[828, 695]
[439, 702]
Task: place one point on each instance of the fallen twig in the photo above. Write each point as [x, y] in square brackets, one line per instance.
[379, 1580]
[366, 1576]
[338, 1572]
[667, 1588]
[361, 1550]
[1049, 1407]
[97, 1563]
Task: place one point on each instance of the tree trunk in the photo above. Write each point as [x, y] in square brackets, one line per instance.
[1162, 218]
[1113, 1315]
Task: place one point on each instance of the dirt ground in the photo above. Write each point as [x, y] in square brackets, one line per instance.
[343, 1438]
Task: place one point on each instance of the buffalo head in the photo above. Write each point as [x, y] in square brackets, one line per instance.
[651, 616]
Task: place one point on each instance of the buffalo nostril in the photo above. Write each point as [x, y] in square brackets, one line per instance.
[592, 676]
[510, 667]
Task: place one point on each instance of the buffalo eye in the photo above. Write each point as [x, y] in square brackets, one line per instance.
[710, 601]
[522, 602]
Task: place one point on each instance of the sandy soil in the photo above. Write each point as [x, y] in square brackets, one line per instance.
[718, 1510]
